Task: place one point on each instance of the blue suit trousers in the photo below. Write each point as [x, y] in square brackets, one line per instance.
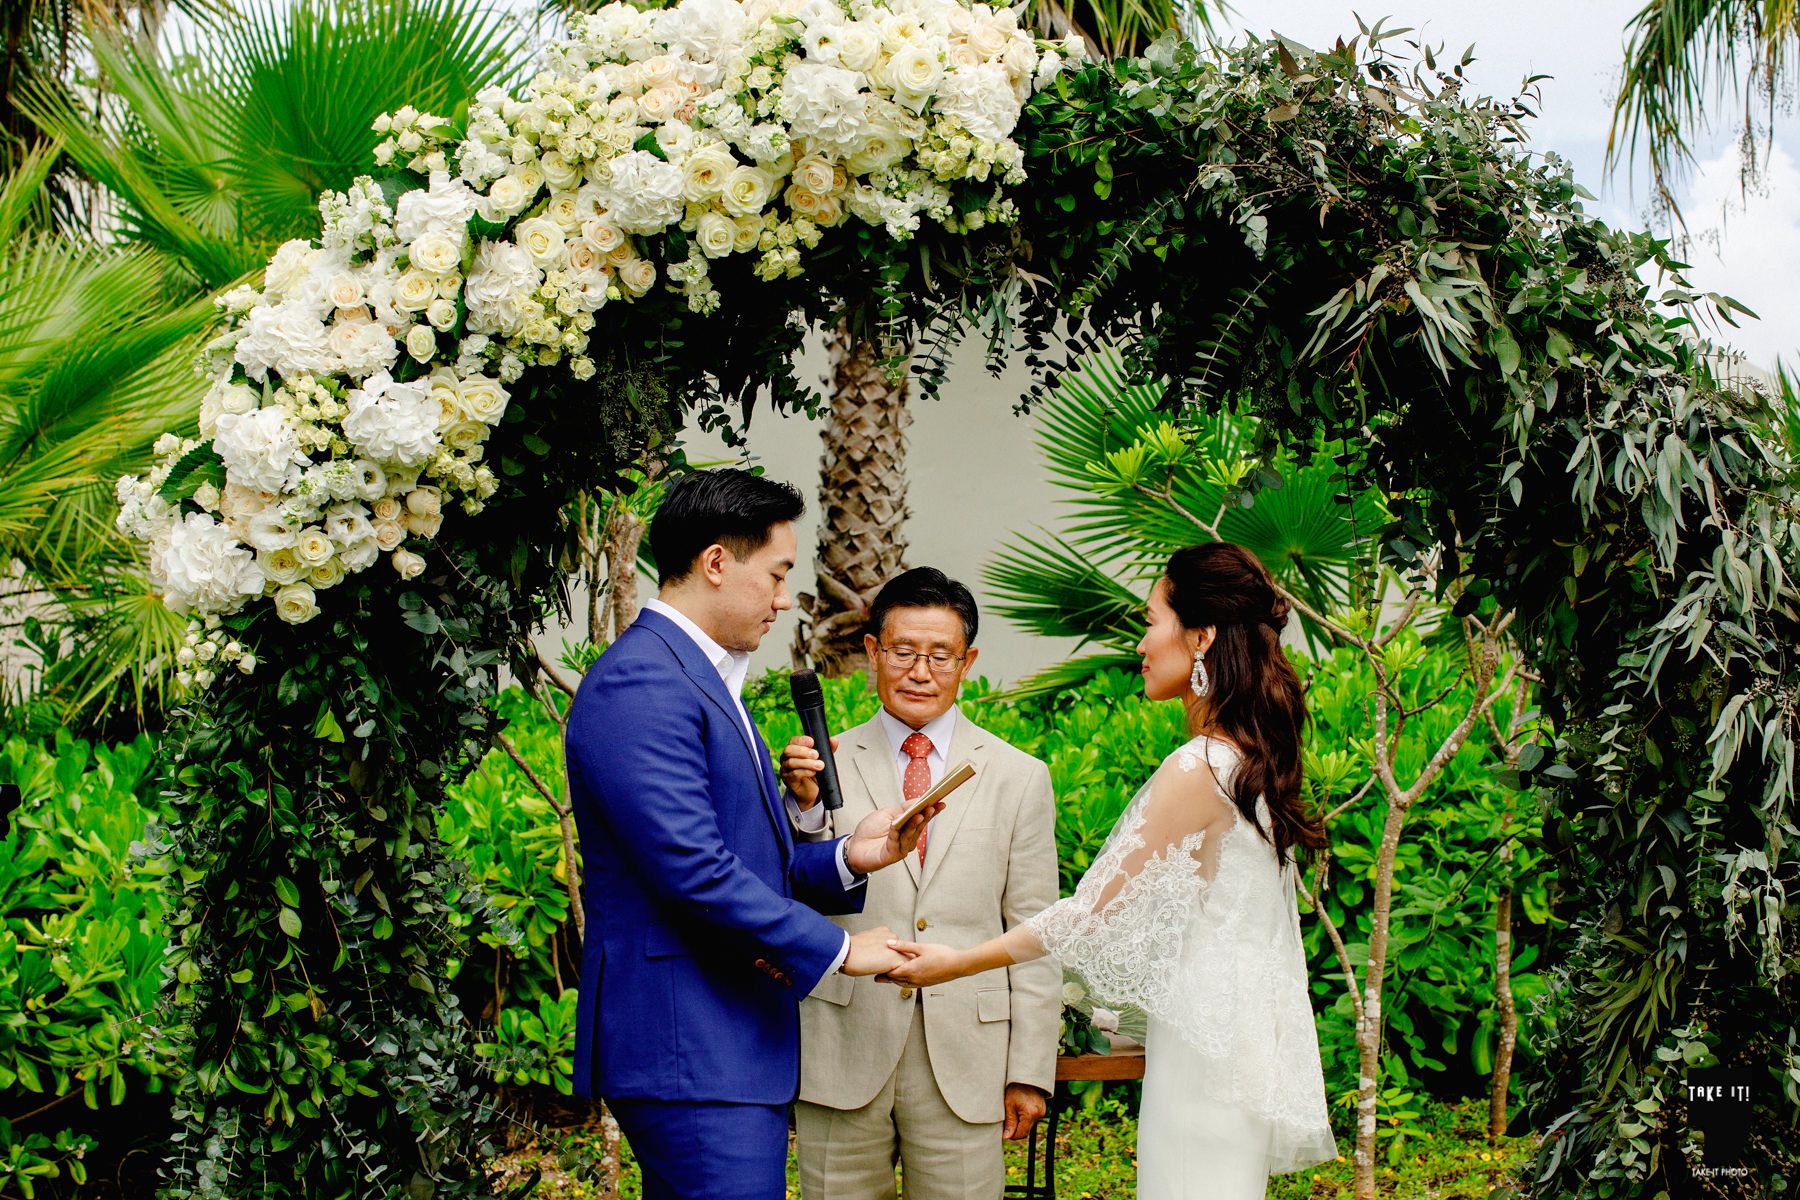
[699, 1150]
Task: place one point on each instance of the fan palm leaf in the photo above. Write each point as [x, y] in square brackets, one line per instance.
[1090, 585]
[220, 157]
[94, 362]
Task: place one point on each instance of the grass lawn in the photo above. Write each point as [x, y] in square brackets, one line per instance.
[1447, 1159]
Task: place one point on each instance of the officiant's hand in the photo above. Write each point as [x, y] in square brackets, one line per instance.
[926, 963]
[877, 844]
[800, 767]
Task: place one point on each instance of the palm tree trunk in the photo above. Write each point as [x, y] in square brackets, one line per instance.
[862, 500]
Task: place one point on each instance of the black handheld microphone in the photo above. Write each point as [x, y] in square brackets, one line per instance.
[809, 702]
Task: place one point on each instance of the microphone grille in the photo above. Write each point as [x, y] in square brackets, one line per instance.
[806, 688]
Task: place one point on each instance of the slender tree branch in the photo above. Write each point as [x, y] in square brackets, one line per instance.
[550, 670]
[560, 805]
[1337, 943]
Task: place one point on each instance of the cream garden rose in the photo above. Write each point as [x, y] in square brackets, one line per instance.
[437, 253]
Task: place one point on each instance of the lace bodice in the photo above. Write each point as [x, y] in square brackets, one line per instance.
[1188, 914]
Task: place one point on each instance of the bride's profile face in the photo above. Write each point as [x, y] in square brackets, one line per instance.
[1167, 649]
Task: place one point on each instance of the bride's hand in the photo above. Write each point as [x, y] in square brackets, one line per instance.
[926, 964]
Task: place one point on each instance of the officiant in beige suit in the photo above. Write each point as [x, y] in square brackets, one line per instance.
[929, 1079]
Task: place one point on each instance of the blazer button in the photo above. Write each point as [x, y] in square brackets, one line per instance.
[906, 993]
[922, 924]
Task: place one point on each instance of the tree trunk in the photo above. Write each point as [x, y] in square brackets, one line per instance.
[862, 501]
[1503, 1000]
[624, 531]
[1368, 1033]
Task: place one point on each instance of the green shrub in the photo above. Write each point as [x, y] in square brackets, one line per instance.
[81, 947]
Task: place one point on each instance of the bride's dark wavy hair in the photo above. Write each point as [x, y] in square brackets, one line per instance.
[1255, 698]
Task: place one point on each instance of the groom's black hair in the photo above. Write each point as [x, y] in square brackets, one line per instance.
[924, 587]
[723, 506]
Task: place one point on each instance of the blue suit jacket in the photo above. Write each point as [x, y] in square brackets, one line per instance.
[700, 939]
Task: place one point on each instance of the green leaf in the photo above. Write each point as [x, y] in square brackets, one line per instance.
[289, 921]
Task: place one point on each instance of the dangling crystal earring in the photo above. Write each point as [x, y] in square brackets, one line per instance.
[1198, 680]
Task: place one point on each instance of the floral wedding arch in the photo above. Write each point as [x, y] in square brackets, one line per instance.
[530, 295]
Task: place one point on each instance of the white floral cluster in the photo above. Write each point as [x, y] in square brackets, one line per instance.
[353, 394]
[749, 125]
[208, 649]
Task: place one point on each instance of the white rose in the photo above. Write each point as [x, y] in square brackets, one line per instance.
[295, 604]
[859, 45]
[660, 104]
[559, 172]
[314, 547]
[964, 55]
[410, 565]
[483, 399]
[507, 197]
[816, 174]
[260, 450]
[359, 554]
[446, 205]
[749, 233]
[344, 291]
[542, 239]
[425, 502]
[289, 268]
[659, 71]
[442, 315]
[426, 527]
[438, 252]
[988, 39]
[881, 147]
[223, 397]
[567, 209]
[716, 233]
[327, 574]
[1073, 993]
[389, 534]
[421, 342]
[465, 435]
[414, 290]
[203, 568]
[914, 73]
[387, 508]
[747, 190]
[637, 276]
[605, 236]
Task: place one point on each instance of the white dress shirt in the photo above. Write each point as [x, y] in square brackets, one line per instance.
[734, 667]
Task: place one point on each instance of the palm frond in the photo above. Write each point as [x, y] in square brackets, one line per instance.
[1053, 590]
[1068, 676]
[1679, 56]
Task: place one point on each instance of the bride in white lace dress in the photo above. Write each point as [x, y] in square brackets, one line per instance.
[1189, 911]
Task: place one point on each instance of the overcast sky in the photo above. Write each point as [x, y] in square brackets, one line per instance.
[1747, 247]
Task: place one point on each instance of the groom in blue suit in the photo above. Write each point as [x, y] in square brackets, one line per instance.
[703, 916]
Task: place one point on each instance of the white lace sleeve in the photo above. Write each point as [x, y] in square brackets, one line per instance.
[1131, 907]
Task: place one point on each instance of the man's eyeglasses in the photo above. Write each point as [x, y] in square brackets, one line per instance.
[903, 657]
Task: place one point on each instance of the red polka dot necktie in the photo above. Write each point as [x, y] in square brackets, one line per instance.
[918, 777]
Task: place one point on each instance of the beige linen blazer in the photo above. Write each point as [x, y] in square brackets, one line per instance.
[990, 863]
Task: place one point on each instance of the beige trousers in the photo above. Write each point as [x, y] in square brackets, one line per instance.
[850, 1154]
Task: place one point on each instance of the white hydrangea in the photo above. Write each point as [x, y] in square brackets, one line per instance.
[498, 288]
[393, 422]
[643, 193]
[825, 106]
[446, 205]
[287, 339]
[260, 449]
[203, 568]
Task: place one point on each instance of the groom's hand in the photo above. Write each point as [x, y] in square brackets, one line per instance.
[1024, 1105]
[877, 844]
[870, 953]
[800, 767]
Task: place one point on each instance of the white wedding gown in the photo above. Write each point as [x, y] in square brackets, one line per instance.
[1197, 924]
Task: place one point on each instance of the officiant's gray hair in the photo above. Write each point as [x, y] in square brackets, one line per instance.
[924, 587]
